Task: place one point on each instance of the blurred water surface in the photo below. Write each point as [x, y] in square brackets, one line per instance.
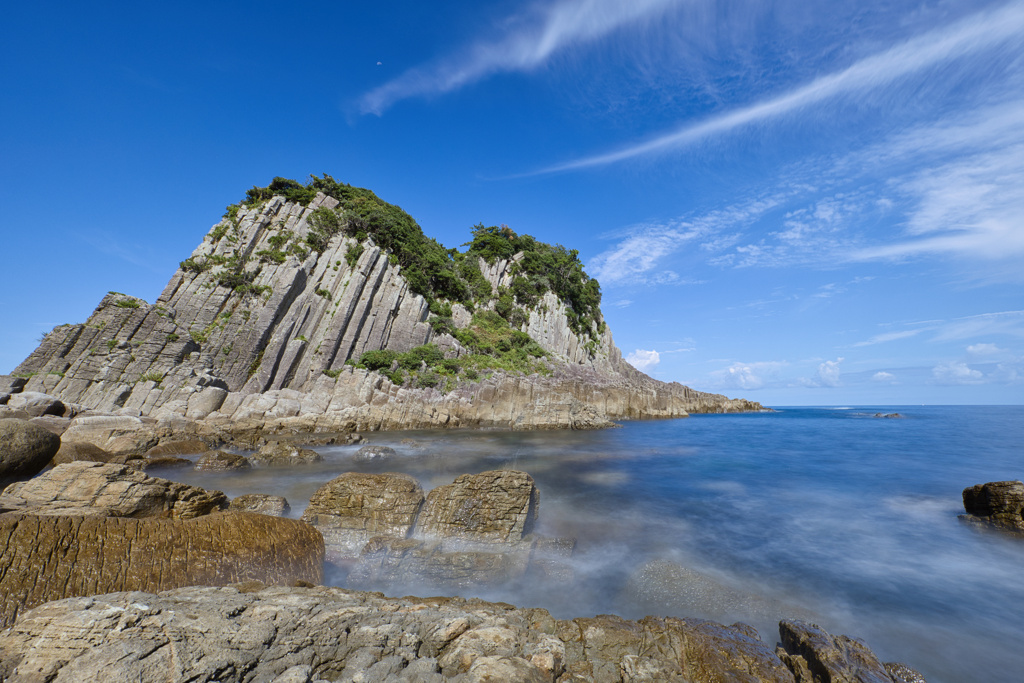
[829, 514]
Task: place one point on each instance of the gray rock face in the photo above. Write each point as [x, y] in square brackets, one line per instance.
[94, 489]
[25, 450]
[330, 634]
[998, 504]
[220, 634]
[37, 404]
[258, 352]
[54, 557]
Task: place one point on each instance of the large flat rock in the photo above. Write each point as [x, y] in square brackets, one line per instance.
[50, 557]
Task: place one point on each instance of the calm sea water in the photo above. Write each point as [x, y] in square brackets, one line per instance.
[827, 514]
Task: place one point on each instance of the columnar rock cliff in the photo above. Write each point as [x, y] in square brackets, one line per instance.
[257, 326]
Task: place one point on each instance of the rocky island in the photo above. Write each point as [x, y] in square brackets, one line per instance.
[310, 313]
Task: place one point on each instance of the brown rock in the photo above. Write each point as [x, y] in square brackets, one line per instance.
[262, 503]
[998, 504]
[73, 451]
[807, 648]
[281, 454]
[182, 447]
[108, 490]
[53, 557]
[354, 507]
[222, 460]
[25, 450]
[499, 506]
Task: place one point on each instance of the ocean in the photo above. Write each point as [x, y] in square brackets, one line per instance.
[822, 513]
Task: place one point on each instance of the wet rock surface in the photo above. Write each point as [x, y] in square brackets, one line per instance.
[95, 489]
[997, 504]
[25, 449]
[816, 656]
[264, 504]
[281, 454]
[309, 634]
[375, 453]
[222, 460]
[53, 557]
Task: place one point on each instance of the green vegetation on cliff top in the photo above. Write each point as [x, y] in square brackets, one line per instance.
[446, 276]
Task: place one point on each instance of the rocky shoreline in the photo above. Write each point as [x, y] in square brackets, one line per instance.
[110, 573]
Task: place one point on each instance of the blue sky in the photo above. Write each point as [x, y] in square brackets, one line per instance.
[793, 202]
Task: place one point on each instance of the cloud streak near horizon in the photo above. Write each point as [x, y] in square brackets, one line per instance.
[979, 32]
[570, 22]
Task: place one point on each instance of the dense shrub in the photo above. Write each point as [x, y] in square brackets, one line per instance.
[377, 360]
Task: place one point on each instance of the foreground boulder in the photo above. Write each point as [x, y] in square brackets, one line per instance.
[330, 634]
[25, 450]
[491, 507]
[998, 504]
[53, 557]
[354, 507]
[94, 489]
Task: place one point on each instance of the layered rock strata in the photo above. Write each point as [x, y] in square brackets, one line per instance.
[329, 634]
[94, 489]
[997, 504]
[52, 557]
[475, 531]
[246, 331]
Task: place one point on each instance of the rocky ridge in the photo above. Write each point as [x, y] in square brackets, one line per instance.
[253, 328]
[308, 635]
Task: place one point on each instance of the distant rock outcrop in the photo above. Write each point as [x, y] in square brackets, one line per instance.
[256, 327]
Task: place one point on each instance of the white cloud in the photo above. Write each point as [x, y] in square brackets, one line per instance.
[889, 336]
[827, 375]
[530, 42]
[643, 360]
[984, 350]
[957, 373]
[983, 325]
[883, 376]
[747, 376]
[982, 31]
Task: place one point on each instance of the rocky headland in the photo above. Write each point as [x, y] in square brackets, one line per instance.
[320, 308]
[300, 319]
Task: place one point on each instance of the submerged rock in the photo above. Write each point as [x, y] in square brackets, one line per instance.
[53, 557]
[375, 453]
[96, 489]
[998, 504]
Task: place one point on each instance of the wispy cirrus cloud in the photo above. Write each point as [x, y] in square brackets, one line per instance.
[533, 41]
[1010, 323]
[984, 31]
